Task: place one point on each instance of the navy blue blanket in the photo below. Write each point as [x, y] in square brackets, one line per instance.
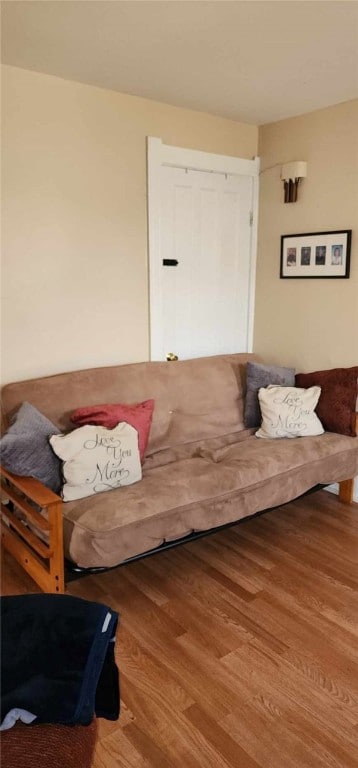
[57, 659]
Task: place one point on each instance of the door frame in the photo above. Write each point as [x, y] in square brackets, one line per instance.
[159, 154]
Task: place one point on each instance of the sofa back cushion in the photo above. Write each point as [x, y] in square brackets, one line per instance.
[194, 399]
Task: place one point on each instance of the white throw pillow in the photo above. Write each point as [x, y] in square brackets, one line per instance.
[97, 459]
[289, 412]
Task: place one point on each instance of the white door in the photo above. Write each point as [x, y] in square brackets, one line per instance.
[201, 278]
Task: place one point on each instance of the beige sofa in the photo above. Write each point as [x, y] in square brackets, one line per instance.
[203, 468]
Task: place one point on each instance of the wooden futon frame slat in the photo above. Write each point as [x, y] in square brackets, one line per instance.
[32, 529]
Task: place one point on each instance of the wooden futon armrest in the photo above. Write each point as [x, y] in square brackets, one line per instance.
[32, 529]
[346, 488]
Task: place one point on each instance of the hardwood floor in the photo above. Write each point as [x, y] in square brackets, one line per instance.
[238, 650]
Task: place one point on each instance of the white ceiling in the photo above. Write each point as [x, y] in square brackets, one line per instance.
[251, 60]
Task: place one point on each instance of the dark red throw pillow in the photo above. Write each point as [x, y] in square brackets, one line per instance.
[337, 402]
[138, 416]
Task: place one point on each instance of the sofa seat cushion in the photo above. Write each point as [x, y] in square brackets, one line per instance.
[200, 493]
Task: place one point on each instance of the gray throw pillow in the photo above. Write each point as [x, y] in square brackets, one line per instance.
[257, 376]
[25, 448]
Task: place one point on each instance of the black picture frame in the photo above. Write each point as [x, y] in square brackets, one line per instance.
[316, 255]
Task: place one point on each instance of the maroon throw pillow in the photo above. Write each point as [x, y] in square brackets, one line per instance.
[138, 416]
[337, 402]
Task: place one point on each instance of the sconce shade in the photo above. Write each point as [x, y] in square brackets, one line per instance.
[296, 170]
[292, 173]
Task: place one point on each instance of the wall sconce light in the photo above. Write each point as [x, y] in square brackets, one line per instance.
[292, 173]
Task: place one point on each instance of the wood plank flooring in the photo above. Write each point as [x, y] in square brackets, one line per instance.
[239, 650]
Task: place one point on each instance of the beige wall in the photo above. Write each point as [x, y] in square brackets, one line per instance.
[309, 324]
[75, 277]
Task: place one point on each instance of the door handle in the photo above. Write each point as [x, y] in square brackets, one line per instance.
[171, 357]
[170, 262]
